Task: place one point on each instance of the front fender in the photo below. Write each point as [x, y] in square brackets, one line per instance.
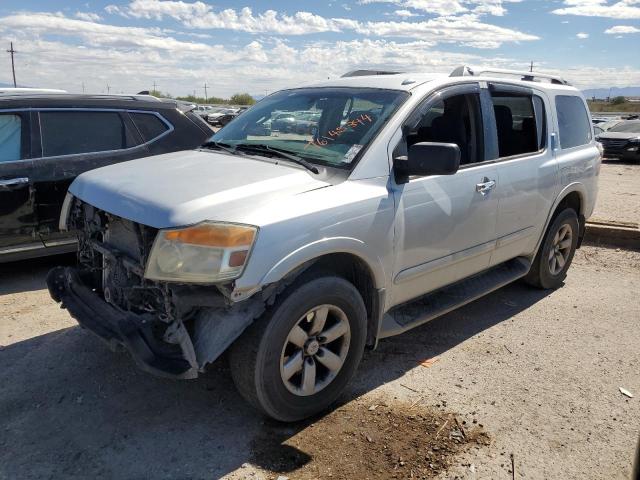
[312, 251]
[322, 247]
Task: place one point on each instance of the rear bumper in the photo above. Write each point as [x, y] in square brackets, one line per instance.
[118, 328]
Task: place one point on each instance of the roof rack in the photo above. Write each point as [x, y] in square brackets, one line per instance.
[365, 73]
[466, 70]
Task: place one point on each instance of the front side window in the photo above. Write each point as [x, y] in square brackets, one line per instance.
[573, 121]
[455, 119]
[519, 123]
[10, 137]
[327, 126]
[72, 132]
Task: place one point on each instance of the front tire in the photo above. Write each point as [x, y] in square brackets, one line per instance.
[295, 361]
[550, 265]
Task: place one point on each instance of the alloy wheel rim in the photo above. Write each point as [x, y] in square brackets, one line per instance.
[560, 249]
[315, 350]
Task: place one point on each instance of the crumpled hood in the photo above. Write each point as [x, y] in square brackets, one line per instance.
[184, 188]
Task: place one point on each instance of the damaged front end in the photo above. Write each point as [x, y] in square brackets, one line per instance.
[170, 329]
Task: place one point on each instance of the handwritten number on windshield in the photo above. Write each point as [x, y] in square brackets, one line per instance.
[333, 134]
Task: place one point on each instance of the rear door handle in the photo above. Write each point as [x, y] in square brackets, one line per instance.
[485, 186]
[10, 183]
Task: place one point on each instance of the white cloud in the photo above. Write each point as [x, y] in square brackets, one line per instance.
[622, 9]
[621, 30]
[404, 13]
[582, 35]
[450, 7]
[91, 17]
[466, 29]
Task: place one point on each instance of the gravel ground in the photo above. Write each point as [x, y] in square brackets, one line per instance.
[619, 195]
[540, 371]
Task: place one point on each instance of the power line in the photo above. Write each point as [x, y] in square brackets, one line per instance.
[13, 67]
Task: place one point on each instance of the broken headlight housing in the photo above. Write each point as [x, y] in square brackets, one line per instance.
[204, 253]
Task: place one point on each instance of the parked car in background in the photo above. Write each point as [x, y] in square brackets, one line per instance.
[622, 141]
[46, 140]
[415, 195]
[610, 124]
[222, 116]
[203, 111]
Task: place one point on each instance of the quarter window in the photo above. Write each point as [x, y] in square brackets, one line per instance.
[10, 137]
[73, 132]
[150, 126]
[519, 123]
[573, 121]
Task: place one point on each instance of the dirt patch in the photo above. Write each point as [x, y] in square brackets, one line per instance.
[376, 441]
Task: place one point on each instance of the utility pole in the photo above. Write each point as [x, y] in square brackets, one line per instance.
[155, 86]
[205, 93]
[531, 68]
[13, 67]
[108, 88]
[83, 87]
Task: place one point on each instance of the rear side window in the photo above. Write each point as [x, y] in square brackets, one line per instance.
[10, 137]
[149, 125]
[519, 122]
[72, 132]
[573, 121]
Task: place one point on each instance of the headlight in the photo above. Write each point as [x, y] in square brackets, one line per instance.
[204, 253]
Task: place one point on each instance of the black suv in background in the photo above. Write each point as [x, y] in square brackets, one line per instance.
[622, 141]
[46, 140]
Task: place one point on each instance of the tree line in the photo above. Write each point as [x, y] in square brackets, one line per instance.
[235, 99]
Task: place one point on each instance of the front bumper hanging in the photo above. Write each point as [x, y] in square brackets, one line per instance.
[119, 328]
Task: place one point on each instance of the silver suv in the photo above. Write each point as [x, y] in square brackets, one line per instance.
[409, 196]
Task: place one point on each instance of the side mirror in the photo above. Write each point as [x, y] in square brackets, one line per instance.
[427, 158]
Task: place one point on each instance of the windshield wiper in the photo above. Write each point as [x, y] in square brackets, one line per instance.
[263, 148]
[220, 146]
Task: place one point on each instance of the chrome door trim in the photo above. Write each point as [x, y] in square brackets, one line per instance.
[22, 248]
[14, 181]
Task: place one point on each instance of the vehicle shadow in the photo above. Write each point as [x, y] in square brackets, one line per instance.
[71, 408]
[30, 275]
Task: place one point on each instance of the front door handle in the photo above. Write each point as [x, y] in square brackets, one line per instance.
[11, 183]
[485, 186]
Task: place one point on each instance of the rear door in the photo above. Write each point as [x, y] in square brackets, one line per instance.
[445, 225]
[526, 165]
[17, 207]
[74, 141]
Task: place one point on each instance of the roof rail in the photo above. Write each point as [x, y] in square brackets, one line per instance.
[466, 70]
[364, 73]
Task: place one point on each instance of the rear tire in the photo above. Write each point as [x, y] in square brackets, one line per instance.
[286, 340]
[549, 268]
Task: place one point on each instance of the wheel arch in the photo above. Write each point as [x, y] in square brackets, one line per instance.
[572, 196]
[346, 258]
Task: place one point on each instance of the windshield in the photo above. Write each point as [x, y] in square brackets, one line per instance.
[327, 126]
[632, 127]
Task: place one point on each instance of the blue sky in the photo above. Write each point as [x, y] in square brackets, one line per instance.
[260, 46]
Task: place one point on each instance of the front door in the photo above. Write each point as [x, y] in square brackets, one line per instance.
[17, 209]
[445, 225]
